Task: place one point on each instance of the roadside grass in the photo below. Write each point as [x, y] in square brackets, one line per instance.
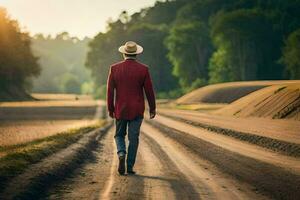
[17, 158]
[200, 107]
[195, 107]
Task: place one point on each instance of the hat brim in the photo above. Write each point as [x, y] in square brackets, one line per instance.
[139, 50]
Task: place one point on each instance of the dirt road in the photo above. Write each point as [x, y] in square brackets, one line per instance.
[176, 160]
[182, 163]
[285, 130]
[166, 170]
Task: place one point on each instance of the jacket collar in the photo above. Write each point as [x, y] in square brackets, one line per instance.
[130, 58]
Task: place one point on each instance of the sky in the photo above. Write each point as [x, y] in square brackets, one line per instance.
[78, 17]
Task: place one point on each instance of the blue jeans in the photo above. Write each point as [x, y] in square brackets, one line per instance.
[133, 138]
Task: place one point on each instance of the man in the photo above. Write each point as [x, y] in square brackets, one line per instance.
[127, 81]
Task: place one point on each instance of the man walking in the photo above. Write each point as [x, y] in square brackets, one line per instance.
[127, 81]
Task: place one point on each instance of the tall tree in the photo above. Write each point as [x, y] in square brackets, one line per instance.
[17, 63]
[189, 50]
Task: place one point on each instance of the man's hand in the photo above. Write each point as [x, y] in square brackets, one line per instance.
[111, 114]
[152, 114]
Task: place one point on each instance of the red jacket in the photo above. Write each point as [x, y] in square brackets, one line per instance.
[126, 82]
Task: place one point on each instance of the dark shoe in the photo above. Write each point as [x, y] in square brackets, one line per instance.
[130, 171]
[121, 168]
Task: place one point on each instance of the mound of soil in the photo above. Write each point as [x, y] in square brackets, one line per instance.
[225, 92]
[276, 102]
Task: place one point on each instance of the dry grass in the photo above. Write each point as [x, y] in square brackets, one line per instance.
[6, 150]
[17, 132]
[196, 107]
[26, 121]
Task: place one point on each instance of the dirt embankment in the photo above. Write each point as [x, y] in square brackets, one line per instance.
[224, 92]
[275, 102]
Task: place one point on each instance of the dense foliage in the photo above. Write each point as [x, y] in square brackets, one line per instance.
[291, 55]
[190, 43]
[17, 63]
[187, 44]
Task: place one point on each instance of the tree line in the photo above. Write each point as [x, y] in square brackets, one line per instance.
[188, 44]
[191, 43]
[61, 58]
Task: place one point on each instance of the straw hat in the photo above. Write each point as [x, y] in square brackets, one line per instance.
[131, 48]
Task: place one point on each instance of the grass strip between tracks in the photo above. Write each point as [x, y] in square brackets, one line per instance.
[18, 157]
[283, 147]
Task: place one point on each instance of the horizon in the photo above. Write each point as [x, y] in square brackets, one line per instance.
[76, 21]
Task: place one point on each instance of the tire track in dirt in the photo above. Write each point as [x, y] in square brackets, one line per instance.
[89, 181]
[280, 146]
[100, 179]
[165, 169]
[178, 183]
[288, 163]
[157, 177]
[267, 178]
[282, 130]
[156, 184]
[204, 179]
[126, 186]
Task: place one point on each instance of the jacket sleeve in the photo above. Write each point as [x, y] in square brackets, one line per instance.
[148, 87]
[110, 92]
